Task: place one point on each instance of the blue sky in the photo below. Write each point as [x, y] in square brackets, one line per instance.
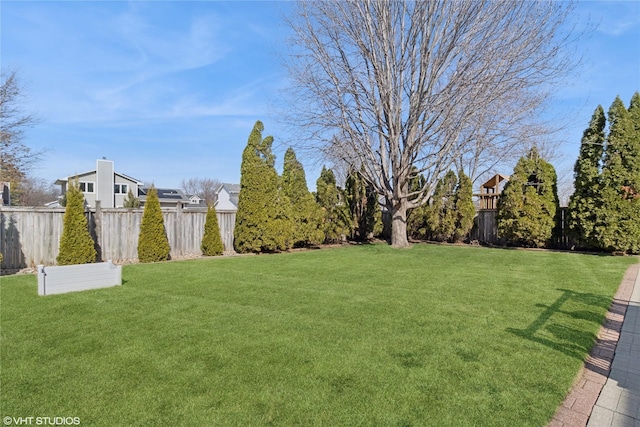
[170, 90]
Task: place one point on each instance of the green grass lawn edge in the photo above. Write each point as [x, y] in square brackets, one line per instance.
[367, 335]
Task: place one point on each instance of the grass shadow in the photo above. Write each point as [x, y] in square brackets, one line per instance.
[550, 327]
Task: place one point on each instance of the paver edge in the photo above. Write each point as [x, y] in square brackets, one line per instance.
[586, 373]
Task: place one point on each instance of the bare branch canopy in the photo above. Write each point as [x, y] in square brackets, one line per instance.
[15, 156]
[397, 87]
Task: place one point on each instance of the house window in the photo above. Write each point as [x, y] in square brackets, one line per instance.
[86, 187]
[120, 189]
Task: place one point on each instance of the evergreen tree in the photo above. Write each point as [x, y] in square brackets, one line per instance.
[618, 225]
[465, 211]
[363, 206]
[330, 198]
[441, 215]
[153, 244]
[417, 217]
[294, 181]
[586, 199]
[263, 220]
[76, 244]
[306, 213]
[282, 226]
[211, 241]
[130, 201]
[528, 205]
[632, 193]
[634, 114]
[634, 151]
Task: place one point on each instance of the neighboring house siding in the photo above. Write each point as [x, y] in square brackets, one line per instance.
[123, 185]
[87, 184]
[196, 200]
[228, 197]
[101, 183]
[104, 183]
[224, 202]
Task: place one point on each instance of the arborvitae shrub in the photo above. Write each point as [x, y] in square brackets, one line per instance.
[464, 208]
[331, 201]
[263, 220]
[618, 225]
[76, 244]
[280, 229]
[586, 200]
[211, 240]
[362, 202]
[528, 205]
[416, 217]
[441, 215]
[306, 213]
[153, 244]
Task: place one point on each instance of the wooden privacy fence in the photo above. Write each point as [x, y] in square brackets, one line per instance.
[31, 236]
[485, 228]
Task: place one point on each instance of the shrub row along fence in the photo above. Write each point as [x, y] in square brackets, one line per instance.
[31, 236]
[485, 229]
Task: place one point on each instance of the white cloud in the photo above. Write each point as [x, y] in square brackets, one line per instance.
[162, 50]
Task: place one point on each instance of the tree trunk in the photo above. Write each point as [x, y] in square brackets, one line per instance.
[399, 225]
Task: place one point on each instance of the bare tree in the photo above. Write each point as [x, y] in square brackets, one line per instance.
[205, 188]
[34, 191]
[392, 85]
[15, 156]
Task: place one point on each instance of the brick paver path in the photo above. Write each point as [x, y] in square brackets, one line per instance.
[607, 393]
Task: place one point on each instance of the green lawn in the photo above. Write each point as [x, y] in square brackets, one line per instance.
[367, 335]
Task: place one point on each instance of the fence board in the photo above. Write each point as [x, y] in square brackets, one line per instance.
[31, 236]
[485, 228]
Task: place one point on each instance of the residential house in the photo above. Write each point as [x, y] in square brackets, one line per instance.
[227, 197]
[168, 197]
[196, 201]
[111, 187]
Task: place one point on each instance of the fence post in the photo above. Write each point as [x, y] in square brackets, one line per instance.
[177, 232]
[97, 220]
[114, 232]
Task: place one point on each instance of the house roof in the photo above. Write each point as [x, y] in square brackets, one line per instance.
[230, 188]
[165, 195]
[233, 190]
[137, 181]
[61, 181]
[170, 193]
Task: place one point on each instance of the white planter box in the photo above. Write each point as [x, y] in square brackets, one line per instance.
[73, 278]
